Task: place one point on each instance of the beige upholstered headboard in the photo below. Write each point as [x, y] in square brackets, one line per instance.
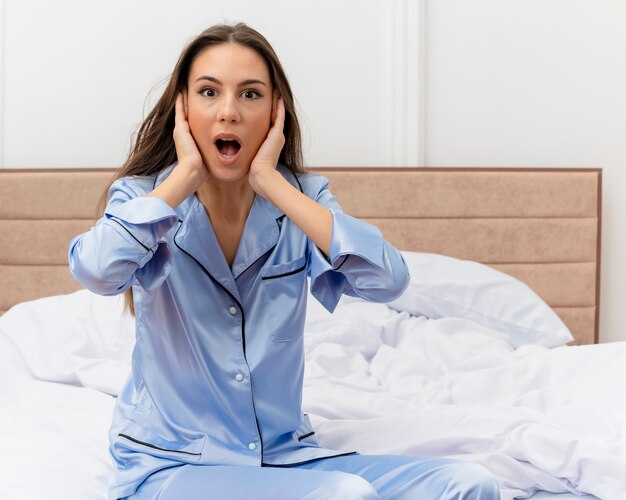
[539, 225]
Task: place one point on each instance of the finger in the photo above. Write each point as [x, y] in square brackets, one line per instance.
[274, 108]
[180, 118]
[279, 120]
[177, 110]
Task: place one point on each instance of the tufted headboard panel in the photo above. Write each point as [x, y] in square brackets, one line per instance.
[540, 225]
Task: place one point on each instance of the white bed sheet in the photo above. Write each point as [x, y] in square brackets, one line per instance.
[376, 381]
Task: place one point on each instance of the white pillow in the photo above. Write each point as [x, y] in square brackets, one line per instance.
[443, 287]
[81, 339]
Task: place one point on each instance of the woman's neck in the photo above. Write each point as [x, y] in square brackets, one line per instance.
[228, 201]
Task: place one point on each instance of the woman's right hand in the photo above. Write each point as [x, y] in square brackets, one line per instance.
[190, 172]
[187, 150]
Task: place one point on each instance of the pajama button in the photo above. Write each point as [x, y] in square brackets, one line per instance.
[252, 446]
[232, 310]
[239, 377]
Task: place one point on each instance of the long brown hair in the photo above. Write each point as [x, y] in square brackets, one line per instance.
[153, 148]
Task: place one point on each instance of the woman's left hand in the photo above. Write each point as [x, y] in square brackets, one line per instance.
[264, 163]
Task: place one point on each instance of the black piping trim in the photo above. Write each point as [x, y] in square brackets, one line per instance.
[257, 260]
[243, 328]
[157, 447]
[308, 461]
[300, 438]
[342, 262]
[218, 283]
[124, 228]
[284, 274]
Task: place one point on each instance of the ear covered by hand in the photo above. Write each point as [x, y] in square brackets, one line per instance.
[267, 157]
[187, 150]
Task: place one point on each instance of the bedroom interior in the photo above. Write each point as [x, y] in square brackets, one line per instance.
[492, 158]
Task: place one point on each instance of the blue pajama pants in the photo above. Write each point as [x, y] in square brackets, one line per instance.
[348, 477]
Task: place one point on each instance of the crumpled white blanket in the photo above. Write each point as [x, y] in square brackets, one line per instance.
[379, 381]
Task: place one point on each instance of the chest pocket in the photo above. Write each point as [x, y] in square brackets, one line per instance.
[286, 288]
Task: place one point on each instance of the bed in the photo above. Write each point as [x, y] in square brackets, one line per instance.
[491, 355]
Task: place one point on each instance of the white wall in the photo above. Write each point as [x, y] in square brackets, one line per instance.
[76, 74]
[503, 83]
[539, 83]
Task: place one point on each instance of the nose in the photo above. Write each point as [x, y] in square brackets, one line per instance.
[229, 109]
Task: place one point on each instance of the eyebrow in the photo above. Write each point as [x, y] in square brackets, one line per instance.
[241, 84]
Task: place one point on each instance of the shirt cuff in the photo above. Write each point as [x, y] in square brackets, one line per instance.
[147, 219]
[352, 236]
[142, 210]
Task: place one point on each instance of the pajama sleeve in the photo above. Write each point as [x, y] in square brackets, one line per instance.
[126, 244]
[361, 263]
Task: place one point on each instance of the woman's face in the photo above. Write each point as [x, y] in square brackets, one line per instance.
[229, 108]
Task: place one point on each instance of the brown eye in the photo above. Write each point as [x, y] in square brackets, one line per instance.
[208, 92]
[251, 94]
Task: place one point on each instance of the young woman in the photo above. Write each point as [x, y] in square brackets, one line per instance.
[211, 229]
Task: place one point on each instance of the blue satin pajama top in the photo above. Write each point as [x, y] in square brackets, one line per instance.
[218, 362]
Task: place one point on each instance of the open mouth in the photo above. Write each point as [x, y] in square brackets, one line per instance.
[228, 148]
